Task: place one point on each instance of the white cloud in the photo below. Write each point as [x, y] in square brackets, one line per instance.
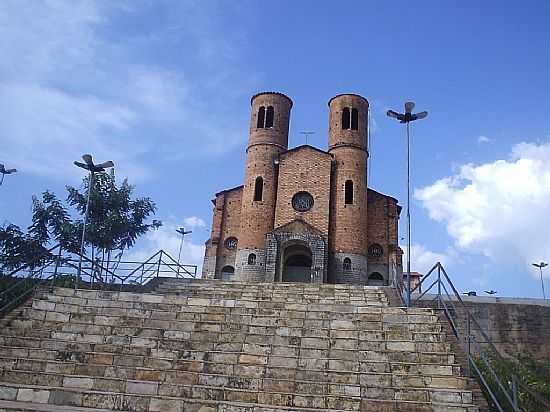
[74, 80]
[499, 209]
[423, 259]
[194, 221]
[484, 139]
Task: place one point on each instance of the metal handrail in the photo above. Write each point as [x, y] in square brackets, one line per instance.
[509, 388]
[92, 274]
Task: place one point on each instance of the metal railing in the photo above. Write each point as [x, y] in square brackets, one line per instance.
[398, 283]
[505, 390]
[59, 267]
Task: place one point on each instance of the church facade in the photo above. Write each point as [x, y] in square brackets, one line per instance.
[305, 214]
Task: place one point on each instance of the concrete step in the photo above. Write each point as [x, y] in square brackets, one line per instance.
[142, 398]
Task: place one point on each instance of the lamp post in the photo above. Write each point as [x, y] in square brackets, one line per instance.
[540, 266]
[182, 232]
[4, 172]
[92, 168]
[407, 118]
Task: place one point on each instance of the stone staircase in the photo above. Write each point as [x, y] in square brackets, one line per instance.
[211, 346]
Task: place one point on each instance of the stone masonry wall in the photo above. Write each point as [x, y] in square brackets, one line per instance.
[514, 325]
[516, 328]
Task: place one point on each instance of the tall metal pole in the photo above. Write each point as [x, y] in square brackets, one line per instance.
[182, 232]
[542, 283]
[408, 117]
[540, 266]
[90, 183]
[408, 217]
[179, 253]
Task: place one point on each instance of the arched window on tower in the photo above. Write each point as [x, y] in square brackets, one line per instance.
[345, 118]
[354, 119]
[258, 189]
[346, 265]
[252, 259]
[269, 117]
[348, 198]
[261, 118]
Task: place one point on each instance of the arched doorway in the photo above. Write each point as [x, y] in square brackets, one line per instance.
[297, 264]
[375, 279]
[227, 273]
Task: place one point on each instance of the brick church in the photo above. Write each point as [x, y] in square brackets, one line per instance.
[305, 214]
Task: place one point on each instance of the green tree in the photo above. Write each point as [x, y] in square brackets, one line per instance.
[534, 374]
[18, 248]
[115, 222]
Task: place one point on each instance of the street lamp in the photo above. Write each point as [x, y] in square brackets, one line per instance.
[182, 232]
[92, 168]
[5, 172]
[406, 118]
[540, 266]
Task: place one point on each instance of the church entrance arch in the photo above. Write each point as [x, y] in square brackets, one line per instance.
[375, 279]
[297, 259]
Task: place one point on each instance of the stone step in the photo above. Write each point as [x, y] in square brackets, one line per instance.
[192, 360]
[123, 299]
[280, 347]
[352, 329]
[210, 283]
[300, 295]
[220, 400]
[132, 317]
[331, 372]
[258, 344]
[419, 388]
[224, 362]
[337, 339]
[51, 362]
[23, 406]
[219, 306]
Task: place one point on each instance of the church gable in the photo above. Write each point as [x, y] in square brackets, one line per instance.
[297, 226]
[303, 190]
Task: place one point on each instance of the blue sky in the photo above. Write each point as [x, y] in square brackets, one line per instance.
[163, 88]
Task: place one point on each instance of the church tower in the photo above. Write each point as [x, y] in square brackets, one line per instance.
[348, 123]
[269, 122]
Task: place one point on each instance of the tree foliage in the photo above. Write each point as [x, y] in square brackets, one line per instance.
[115, 222]
[534, 374]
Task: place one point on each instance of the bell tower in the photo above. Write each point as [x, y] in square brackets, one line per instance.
[268, 137]
[348, 123]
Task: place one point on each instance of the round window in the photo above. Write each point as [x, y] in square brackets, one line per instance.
[302, 201]
[231, 243]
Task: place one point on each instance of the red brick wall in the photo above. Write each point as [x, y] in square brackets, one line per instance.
[264, 146]
[348, 222]
[304, 169]
[231, 223]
